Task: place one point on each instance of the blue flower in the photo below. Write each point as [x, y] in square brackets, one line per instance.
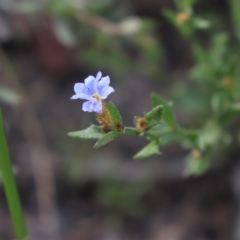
[94, 89]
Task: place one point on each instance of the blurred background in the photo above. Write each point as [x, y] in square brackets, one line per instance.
[71, 191]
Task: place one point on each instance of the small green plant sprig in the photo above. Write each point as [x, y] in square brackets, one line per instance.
[217, 77]
[184, 18]
[95, 90]
[158, 125]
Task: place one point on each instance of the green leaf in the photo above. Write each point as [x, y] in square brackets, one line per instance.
[115, 114]
[197, 166]
[154, 116]
[219, 102]
[209, 136]
[191, 138]
[116, 117]
[149, 150]
[130, 131]
[10, 186]
[168, 115]
[92, 132]
[107, 138]
[171, 137]
[188, 3]
[172, 17]
[157, 130]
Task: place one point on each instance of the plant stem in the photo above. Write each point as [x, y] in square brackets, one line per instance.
[10, 186]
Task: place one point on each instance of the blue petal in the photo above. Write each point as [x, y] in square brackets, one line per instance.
[99, 74]
[106, 91]
[104, 81]
[92, 106]
[81, 96]
[88, 80]
[79, 87]
[102, 84]
[91, 84]
[88, 106]
[98, 107]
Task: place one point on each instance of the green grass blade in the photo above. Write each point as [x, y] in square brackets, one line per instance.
[10, 186]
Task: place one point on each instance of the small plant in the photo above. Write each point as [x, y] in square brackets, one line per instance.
[214, 90]
[158, 125]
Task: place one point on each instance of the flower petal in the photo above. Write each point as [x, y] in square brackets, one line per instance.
[88, 80]
[79, 87]
[106, 91]
[91, 84]
[98, 76]
[104, 81]
[97, 107]
[88, 106]
[81, 96]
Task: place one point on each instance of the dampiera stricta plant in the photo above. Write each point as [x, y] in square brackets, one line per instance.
[158, 125]
[95, 90]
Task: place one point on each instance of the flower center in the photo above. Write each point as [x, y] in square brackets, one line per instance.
[96, 96]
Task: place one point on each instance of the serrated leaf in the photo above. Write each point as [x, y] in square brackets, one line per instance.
[130, 131]
[154, 116]
[92, 132]
[107, 138]
[149, 150]
[168, 115]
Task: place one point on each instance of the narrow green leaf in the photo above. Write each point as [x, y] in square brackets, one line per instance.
[107, 138]
[92, 132]
[116, 117]
[130, 131]
[168, 115]
[115, 114]
[10, 186]
[154, 116]
[149, 150]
